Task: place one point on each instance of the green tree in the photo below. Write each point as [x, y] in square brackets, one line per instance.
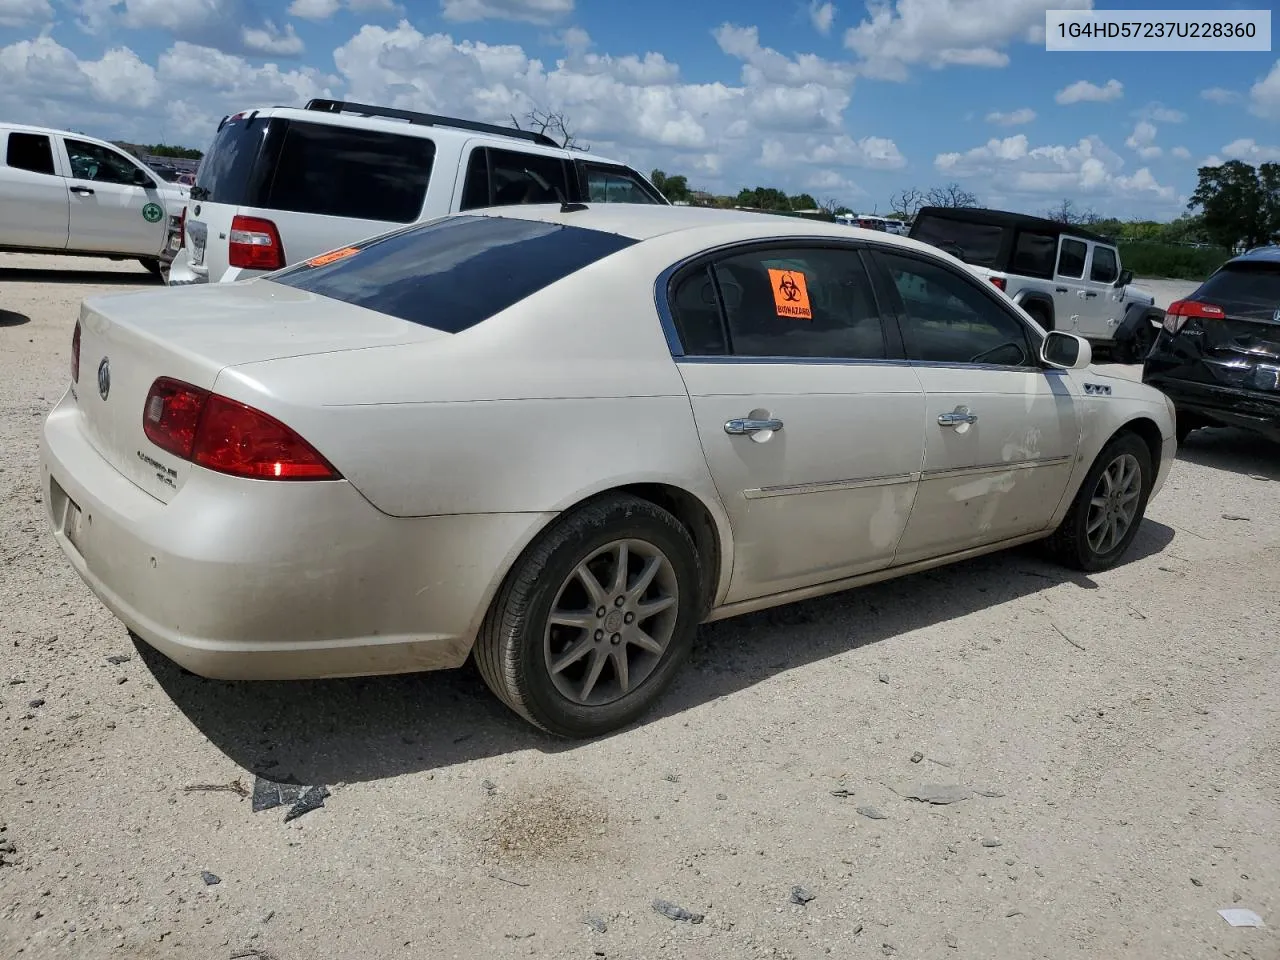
[1239, 202]
[674, 187]
[803, 201]
[166, 150]
[764, 198]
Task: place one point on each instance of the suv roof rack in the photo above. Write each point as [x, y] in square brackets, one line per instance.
[427, 120]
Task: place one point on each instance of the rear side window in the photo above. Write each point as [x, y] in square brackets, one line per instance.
[347, 172]
[498, 178]
[1033, 254]
[976, 243]
[1250, 291]
[30, 151]
[454, 273]
[615, 185]
[1071, 259]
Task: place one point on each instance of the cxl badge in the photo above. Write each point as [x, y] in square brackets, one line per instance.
[104, 378]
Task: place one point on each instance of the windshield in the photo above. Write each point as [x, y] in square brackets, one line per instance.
[454, 273]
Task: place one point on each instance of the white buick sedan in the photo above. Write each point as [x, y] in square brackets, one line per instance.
[559, 438]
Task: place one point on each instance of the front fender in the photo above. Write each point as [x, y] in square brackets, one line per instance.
[1134, 315]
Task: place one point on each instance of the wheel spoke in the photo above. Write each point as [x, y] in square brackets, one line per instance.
[592, 585]
[593, 674]
[1131, 496]
[578, 619]
[620, 667]
[1096, 522]
[644, 641]
[574, 654]
[1099, 502]
[623, 559]
[651, 568]
[651, 608]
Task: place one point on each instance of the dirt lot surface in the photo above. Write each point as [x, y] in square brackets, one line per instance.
[1112, 744]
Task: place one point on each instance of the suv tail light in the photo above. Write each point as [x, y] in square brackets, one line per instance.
[75, 354]
[1000, 283]
[1180, 311]
[255, 244]
[225, 435]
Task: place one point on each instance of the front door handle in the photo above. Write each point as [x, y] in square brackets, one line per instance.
[1059, 289]
[84, 191]
[745, 426]
[1090, 294]
[956, 417]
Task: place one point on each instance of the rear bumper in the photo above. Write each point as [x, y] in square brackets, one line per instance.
[237, 579]
[1247, 409]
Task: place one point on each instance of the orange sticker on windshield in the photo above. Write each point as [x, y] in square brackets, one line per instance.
[332, 256]
[790, 294]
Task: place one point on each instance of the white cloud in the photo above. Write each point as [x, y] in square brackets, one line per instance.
[1264, 96]
[1213, 160]
[1088, 170]
[26, 13]
[822, 15]
[828, 183]
[899, 34]
[529, 11]
[871, 153]
[272, 42]
[1143, 140]
[1159, 113]
[232, 25]
[1250, 151]
[314, 9]
[1084, 91]
[1014, 118]
[1220, 95]
[1182, 153]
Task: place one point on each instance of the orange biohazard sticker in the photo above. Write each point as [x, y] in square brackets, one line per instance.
[332, 256]
[790, 294]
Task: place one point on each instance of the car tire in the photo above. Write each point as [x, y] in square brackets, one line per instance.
[1079, 542]
[1135, 350]
[549, 629]
[1041, 316]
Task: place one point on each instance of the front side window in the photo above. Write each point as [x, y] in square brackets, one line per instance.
[1106, 267]
[781, 302]
[90, 161]
[948, 318]
[1071, 258]
[340, 171]
[30, 151]
[454, 273]
[615, 185]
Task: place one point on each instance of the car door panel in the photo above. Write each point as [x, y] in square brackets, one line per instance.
[820, 486]
[1000, 439]
[1069, 290]
[826, 496]
[106, 213]
[1104, 309]
[33, 196]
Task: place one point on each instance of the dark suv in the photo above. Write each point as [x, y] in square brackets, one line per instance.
[1217, 356]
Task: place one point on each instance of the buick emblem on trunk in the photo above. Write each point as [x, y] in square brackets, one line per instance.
[104, 378]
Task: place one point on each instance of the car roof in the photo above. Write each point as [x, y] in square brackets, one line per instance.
[646, 221]
[51, 131]
[1007, 218]
[1268, 254]
[443, 129]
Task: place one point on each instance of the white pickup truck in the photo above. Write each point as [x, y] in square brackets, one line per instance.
[66, 193]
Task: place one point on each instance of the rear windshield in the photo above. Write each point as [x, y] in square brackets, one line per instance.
[975, 243]
[454, 273]
[331, 170]
[1247, 290]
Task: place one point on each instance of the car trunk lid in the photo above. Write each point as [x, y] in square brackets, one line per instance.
[1241, 349]
[192, 334]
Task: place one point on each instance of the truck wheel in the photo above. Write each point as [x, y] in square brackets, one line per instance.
[1041, 316]
[1139, 345]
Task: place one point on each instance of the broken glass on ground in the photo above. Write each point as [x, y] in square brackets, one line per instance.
[300, 798]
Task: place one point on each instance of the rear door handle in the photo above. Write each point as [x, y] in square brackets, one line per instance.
[84, 191]
[743, 427]
[957, 417]
[1090, 294]
[1059, 289]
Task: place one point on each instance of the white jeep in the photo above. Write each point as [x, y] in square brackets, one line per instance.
[63, 192]
[1064, 277]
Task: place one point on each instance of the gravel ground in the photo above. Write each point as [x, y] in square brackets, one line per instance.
[1115, 736]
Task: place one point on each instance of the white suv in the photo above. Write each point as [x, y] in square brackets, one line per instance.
[284, 184]
[63, 192]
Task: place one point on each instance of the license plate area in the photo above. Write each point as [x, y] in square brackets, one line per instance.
[197, 236]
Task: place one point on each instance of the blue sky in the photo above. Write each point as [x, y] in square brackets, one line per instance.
[841, 100]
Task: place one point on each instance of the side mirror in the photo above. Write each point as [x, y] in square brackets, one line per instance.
[1125, 278]
[142, 179]
[1065, 351]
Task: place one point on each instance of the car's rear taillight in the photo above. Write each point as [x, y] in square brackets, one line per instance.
[1180, 311]
[1000, 283]
[228, 436]
[255, 244]
[75, 354]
